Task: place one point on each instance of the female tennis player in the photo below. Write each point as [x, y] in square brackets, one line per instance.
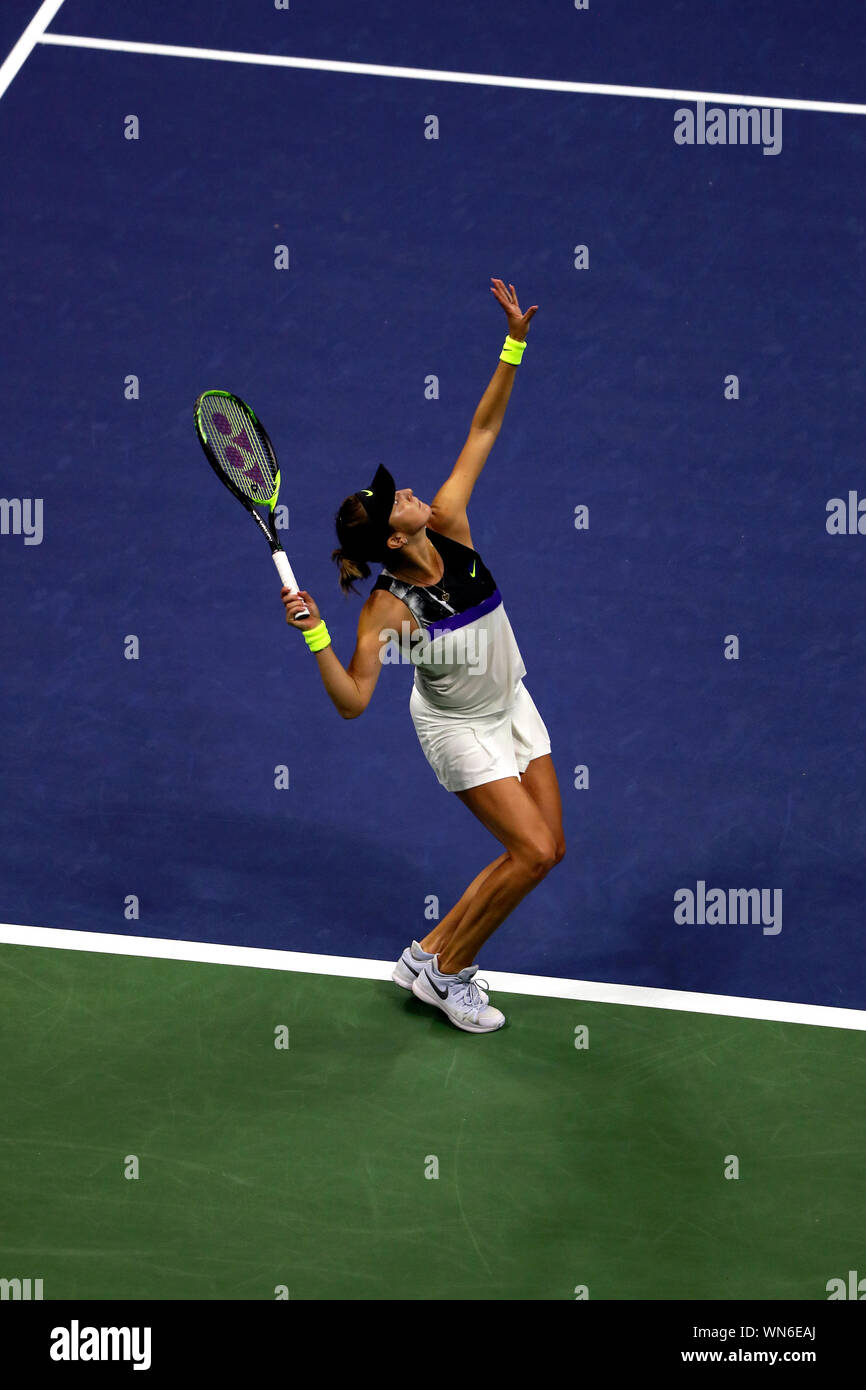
[475, 719]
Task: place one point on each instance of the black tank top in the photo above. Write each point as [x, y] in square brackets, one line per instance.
[466, 580]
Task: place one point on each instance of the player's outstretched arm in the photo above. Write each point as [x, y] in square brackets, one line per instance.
[450, 503]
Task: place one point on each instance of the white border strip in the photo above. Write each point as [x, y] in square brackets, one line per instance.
[542, 84]
[18, 55]
[359, 968]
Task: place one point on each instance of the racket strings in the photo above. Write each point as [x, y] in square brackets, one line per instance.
[237, 447]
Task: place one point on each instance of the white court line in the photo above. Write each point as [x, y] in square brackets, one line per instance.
[542, 84]
[359, 968]
[18, 55]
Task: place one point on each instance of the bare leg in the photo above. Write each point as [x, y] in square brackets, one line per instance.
[438, 938]
[539, 779]
[513, 817]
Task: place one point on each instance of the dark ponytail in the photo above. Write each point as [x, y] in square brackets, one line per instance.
[350, 570]
[350, 515]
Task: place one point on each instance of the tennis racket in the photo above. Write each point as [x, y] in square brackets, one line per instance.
[239, 451]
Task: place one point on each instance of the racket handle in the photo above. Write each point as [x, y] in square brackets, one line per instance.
[284, 569]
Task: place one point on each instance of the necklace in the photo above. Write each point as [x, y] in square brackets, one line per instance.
[444, 596]
[438, 586]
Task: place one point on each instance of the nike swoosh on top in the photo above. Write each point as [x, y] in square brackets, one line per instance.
[472, 571]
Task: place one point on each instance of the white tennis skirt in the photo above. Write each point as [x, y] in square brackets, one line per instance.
[468, 753]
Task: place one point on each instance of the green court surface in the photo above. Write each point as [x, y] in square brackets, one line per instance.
[304, 1167]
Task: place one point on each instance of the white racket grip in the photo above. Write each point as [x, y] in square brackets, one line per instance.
[284, 569]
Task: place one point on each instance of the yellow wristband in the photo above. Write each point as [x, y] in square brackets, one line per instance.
[317, 637]
[512, 351]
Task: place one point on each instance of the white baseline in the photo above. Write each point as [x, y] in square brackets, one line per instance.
[539, 84]
[360, 968]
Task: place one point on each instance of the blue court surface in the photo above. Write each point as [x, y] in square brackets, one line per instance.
[736, 765]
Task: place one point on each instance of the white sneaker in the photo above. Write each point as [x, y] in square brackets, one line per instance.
[410, 965]
[459, 998]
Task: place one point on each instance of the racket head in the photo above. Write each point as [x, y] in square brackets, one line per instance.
[238, 448]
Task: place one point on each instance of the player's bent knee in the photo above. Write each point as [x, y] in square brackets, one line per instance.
[537, 860]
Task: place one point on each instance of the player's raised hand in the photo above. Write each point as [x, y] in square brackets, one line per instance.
[518, 322]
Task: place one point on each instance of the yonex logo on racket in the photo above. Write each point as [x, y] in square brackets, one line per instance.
[232, 451]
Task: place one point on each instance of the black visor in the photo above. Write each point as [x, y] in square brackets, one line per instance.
[367, 542]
